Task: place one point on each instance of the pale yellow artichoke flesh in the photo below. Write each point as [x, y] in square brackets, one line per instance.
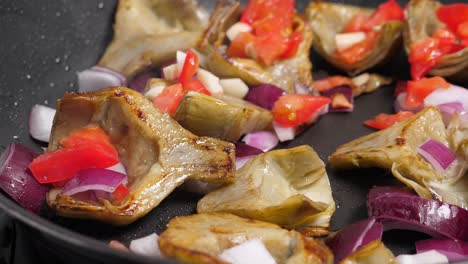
[283, 73]
[329, 19]
[288, 187]
[157, 152]
[421, 23]
[372, 253]
[149, 32]
[226, 118]
[201, 238]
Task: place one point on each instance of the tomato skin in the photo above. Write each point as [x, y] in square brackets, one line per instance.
[358, 51]
[453, 15]
[387, 11]
[190, 67]
[293, 42]
[238, 45]
[269, 48]
[417, 91]
[120, 193]
[295, 109]
[383, 121]
[356, 24]
[168, 100]
[331, 82]
[462, 30]
[196, 86]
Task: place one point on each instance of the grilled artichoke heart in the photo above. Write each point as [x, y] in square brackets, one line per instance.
[328, 19]
[283, 73]
[373, 252]
[201, 238]
[226, 118]
[149, 32]
[156, 151]
[421, 23]
[395, 148]
[288, 187]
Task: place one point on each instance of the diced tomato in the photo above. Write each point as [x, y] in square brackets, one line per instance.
[356, 24]
[443, 33]
[269, 48]
[293, 42]
[196, 86]
[453, 15]
[387, 11]
[294, 109]
[86, 136]
[330, 83]
[168, 100]
[239, 44]
[423, 56]
[462, 29]
[383, 121]
[282, 10]
[189, 69]
[120, 193]
[417, 91]
[358, 51]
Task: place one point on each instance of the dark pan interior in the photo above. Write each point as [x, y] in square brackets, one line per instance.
[45, 42]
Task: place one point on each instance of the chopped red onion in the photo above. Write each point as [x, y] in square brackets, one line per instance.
[448, 110]
[119, 167]
[41, 119]
[250, 252]
[241, 161]
[95, 180]
[398, 209]
[98, 77]
[344, 90]
[454, 250]
[16, 179]
[348, 239]
[399, 104]
[147, 246]
[138, 82]
[442, 96]
[437, 154]
[264, 140]
[284, 133]
[428, 257]
[264, 95]
[243, 150]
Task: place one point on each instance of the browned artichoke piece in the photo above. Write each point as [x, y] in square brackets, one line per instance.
[371, 253]
[156, 151]
[288, 187]
[368, 83]
[149, 32]
[329, 19]
[421, 23]
[201, 238]
[283, 73]
[226, 118]
[396, 148]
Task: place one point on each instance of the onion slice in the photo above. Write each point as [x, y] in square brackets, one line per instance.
[41, 119]
[147, 246]
[428, 257]
[453, 250]
[437, 154]
[284, 133]
[249, 252]
[16, 179]
[98, 77]
[264, 95]
[398, 209]
[350, 238]
[94, 180]
[263, 140]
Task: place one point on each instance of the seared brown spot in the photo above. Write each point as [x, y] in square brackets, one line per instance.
[400, 141]
[318, 248]
[118, 93]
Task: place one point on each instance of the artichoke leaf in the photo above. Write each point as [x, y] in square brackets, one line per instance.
[329, 19]
[288, 187]
[283, 73]
[158, 153]
[201, 238]
[421, 23]
[371, 253]
[224, 117]
[368, 83]
[149, 32]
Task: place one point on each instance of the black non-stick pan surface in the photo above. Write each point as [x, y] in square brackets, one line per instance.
[44, 43]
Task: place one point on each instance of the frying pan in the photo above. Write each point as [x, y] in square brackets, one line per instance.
[45, 42]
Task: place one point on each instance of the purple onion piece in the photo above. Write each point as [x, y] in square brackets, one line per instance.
[398, 209]
[264, 95]
[454, 250]
[346, 91]
[243, 150]
[16, 179]
[351, 237]
[138, 82]
[448, 110]
[437, 154]
[264, 140]
[120, 76]
[94, 180]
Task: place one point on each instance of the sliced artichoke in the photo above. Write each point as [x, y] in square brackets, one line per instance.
[201, 238]
[283, 73]
[372, 253]
[226, 118]
[395, 148]
[329, 19]
[288, 187]
[157, 152]
[368, 83]
[421, 23]
[149, 32]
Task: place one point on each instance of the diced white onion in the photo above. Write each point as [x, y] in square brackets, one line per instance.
[442, 96]
[154, 88]
[210, 81]
[92, 80]
[264, 140]
[346, 40]
[119, 167]
[237, 28]
[171, 72]
[147, 246]
[428, 257]
[180, 58]
[249, 252]
[361, 79]
[284, 133]
[234, 87]
[41, 119]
